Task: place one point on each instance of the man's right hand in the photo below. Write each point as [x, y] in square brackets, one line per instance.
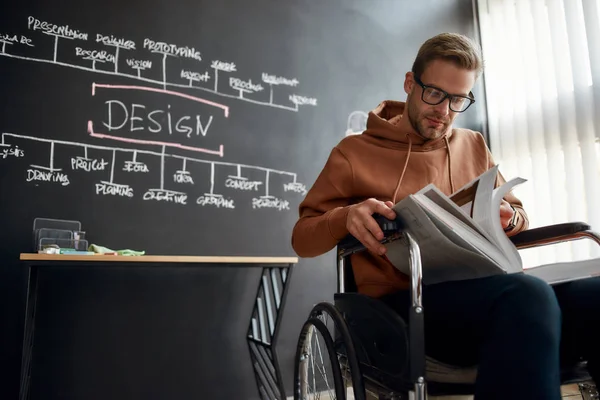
[361, 224]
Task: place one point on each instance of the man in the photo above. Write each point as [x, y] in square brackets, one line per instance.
[516, 328]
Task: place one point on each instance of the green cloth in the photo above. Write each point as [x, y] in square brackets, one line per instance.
[126, 252]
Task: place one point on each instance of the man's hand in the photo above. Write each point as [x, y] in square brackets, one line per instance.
[362, 225]
[506, 213]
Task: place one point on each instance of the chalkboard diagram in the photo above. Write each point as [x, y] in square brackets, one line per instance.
[154, 113]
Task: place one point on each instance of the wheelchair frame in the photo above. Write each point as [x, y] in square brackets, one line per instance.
[416, 352]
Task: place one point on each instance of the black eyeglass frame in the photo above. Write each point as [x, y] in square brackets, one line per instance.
[447, 95]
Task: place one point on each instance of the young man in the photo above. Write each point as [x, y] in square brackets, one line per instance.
[516, 328]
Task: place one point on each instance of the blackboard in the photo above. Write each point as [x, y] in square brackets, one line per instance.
[169, 130]
[188, 128]
[321, 66]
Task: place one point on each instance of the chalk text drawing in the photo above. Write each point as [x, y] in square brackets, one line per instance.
[138, 59]
[107, 186]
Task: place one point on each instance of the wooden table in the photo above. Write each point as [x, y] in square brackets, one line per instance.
[263, 323]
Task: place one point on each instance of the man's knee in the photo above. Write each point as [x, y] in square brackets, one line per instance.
[528, 300]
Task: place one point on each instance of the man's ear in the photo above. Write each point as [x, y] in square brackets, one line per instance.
[409, 82]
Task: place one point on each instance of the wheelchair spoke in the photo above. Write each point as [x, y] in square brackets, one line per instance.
[316, 357]
[340, 349]
[321, 370]
[322, 363]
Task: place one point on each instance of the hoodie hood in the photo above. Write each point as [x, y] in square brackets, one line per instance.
[380, 127]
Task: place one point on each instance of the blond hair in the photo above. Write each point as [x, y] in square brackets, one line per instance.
[453, 47]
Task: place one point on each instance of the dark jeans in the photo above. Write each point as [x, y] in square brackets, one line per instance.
[516, 328]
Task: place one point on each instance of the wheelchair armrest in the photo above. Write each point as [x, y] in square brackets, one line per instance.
[552, 234]
[390, 228]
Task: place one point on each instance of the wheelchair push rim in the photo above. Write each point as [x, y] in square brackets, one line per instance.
[344, 348]
[317, 374]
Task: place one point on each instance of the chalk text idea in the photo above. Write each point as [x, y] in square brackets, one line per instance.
[215, 200]
[12, 152]
[135, 166]
[295, 187]
[52, 29]
[240, 183]
[270, 202]
[113, 189]
[168, 196]
[88, 164]
[16, 39]
[172, 49]
[137, 118]
[183, 177]
[47, 176]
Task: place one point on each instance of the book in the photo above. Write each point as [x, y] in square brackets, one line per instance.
[461, 237]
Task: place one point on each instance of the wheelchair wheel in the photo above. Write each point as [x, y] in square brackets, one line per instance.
[317, 372]
[344, 348]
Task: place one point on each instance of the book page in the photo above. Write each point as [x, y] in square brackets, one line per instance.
[442, 260]
[439, 198]
[483, 196]
[491, 222]
[463, 235]
[467, 208]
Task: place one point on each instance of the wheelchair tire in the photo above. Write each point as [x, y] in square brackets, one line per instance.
[300, 376]
[342, 330]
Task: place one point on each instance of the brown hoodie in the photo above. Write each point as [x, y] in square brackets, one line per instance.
[371, 165]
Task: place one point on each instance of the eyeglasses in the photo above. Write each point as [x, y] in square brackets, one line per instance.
[434, 96]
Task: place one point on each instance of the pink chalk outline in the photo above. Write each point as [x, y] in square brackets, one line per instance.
[152, 142]
[172, 93]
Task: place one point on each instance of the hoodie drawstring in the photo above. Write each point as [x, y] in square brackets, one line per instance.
[449, 164]
[406, 165]
[403, 170]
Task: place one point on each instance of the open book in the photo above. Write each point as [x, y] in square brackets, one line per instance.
[461, 237]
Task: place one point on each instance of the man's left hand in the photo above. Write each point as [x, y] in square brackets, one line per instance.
[506, 213]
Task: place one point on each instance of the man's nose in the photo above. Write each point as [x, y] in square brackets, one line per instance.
[443, 108]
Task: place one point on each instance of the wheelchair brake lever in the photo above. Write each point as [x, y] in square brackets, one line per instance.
[392, 229]
[388, 226]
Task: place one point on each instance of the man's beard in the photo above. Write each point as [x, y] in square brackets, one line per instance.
[420, 124]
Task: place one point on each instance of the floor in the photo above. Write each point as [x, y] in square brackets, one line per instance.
[569, 392]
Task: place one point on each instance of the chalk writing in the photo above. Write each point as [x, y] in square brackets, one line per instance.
[52, 29]
[11, 152]
[117, 42]
[169, 196]
[270, 202]
[155, 120]
[135, 166]
[246, 86]
[172, 49]
[195, 76]
[110, 188]
[183, 177]
[47, 176]
[113, 189]
[295, 187]
[215, 200]
[87, 164]
[139, 64]
[301, 100]
[240, 183]
[16, 39]
[62, 32]
[223, 66]
[97, 55]
[278, 80]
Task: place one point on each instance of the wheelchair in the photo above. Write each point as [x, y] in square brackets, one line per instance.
[359, 348]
